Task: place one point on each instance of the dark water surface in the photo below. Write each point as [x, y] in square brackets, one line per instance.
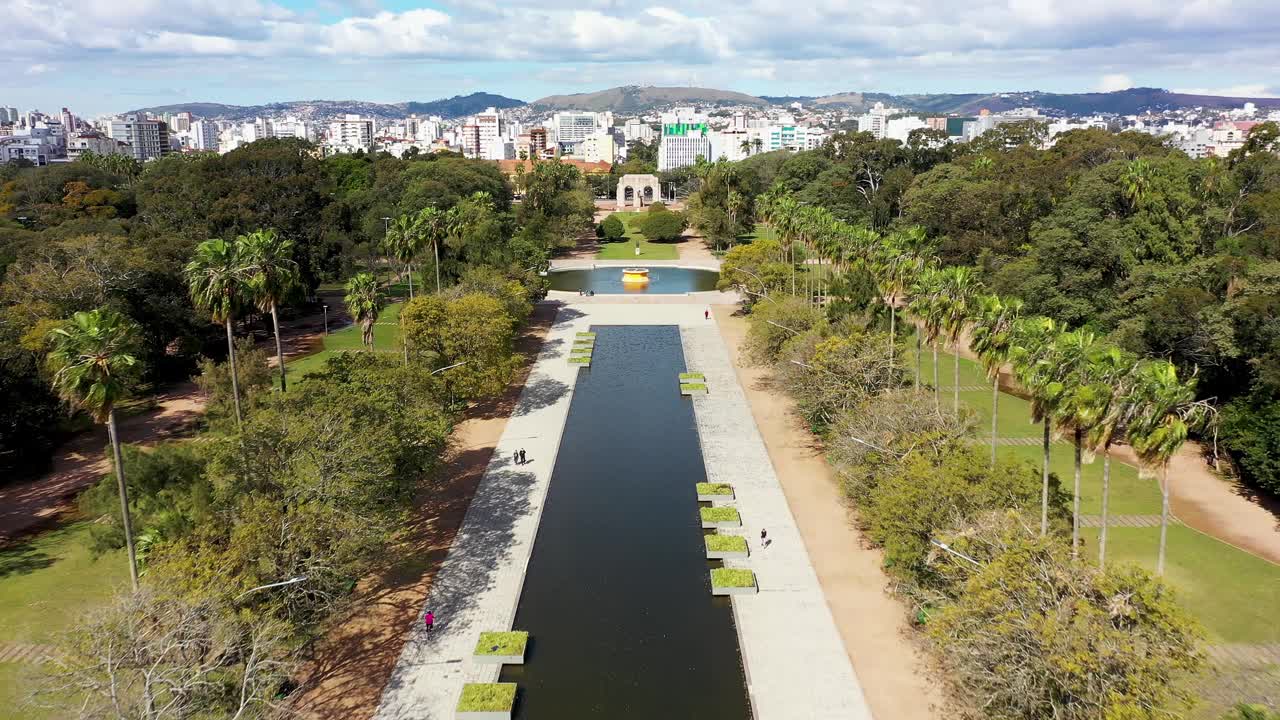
[617, 600]
[608, 281]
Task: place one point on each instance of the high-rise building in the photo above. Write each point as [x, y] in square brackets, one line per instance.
[572, 128]
[94, 142]
[351, 133]
[598, 147]
[637, 129]
[682, 144]
[203, 135]
[491, 139]
[469, 139]
[181, 122]
[147, 138]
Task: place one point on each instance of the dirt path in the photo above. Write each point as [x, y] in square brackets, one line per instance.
[1220, 507]
[38, 503]
[348, 667]
[893, 673]
[81, 461]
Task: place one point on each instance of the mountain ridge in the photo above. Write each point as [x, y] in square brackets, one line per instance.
[313, 110]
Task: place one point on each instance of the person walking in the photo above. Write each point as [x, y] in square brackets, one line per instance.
[764, 537]
[706, 314]
[515, 457]
[523, 459]
[429, 620]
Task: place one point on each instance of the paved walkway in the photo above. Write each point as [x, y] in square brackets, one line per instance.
[1133, 521]
[796, 667]
[23, 653]
[479, 585]
[796, 664]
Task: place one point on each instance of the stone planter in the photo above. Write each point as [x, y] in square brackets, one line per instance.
[736, 588]
[714, 497]
[713, 519]
[728, 554]
[692, 389]
[486, 701]
[510, 648]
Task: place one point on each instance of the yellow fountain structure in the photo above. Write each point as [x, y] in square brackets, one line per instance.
[637, 276]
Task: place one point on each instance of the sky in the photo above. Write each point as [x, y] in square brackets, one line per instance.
[105, 56]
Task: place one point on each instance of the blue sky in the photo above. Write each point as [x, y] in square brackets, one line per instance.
[99, 56]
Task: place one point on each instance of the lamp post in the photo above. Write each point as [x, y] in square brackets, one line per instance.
[282, 583]
[386, 228]
[326, 319]
[948, 549]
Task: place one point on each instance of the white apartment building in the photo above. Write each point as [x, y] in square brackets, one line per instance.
[571, 128]
[900, 128]
[25, 147]
[637, 129]
[181, 122]
[350, 134]
[147, 138]
[683, 143]
[599, 147]
[875, 120]
[292, 127]
[490, 136]
[94, 142]
[202, 135]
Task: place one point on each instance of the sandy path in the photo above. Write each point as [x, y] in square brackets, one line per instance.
[871, 622]
[348, 667]
[1220, 507]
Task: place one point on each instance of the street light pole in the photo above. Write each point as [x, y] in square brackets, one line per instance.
[282, 583]
[386, 228]
[948, 549]
[326, 319]
[446, 367]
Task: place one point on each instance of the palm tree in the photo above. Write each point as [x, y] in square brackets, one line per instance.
[91, 359]
[1082, 403]
[403, 242]
[745, 147]
[1114, 368]
[273, 274]
[1032, 358]
[959, 287]
[894, 267]
[757, 144]
[364, 303]
[435, 227]
[927, 306]
[218, 281]
[993, 341]
[1166, 413]
[1136, 182]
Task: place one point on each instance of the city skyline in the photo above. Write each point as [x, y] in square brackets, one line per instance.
[149, 53]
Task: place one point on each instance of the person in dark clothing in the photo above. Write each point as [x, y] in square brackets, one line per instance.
[523, 460]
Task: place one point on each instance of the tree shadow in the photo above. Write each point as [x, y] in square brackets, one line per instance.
[566, 317]
[23, 558]
[543, 392]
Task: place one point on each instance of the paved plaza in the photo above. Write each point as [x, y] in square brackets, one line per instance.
[796, 666]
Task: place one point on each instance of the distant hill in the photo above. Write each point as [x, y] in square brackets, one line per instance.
[1122, 102]
[634, 98]
[321, 110]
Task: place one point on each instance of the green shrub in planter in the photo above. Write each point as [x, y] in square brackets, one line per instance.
[487, 698]
[720, 517]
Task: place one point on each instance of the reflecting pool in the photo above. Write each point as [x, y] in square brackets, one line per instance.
[608, 280]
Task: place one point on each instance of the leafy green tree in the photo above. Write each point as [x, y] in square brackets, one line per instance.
[467, 340]
[1034, 634]
[754, 271]
[92, 362]
[612, 229]
[365, 300]
[218, 279]
[663, 226]
[1081, 405]
[273, 275]
[403, 242]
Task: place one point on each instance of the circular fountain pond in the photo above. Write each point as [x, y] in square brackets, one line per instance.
[613, 280]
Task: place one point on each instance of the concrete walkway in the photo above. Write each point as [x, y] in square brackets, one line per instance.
[479, 585]
[797, 666]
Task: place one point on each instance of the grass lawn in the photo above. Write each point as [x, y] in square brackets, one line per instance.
[487, 697]
[1230, 591]
[719, 514]
[625, 249]
[732, 577]
[760, 231]
[45, 584]
[725, 543]
[502, 643]
[386, 338]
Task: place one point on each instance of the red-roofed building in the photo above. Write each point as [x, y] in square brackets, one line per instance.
[1227, 136]
[510, 167]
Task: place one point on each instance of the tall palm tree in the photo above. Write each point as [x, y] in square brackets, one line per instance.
[758, 144]
[929, 309]
[91, 360]
[894, 267]
[403, 242]
[1114, 368]
[1032, 359]
[1167, 412]
[993, 342]
[219, 281]
[1082, 403]
[273, 274]
[959, 287]
[364, 303]
[435, 227]
[745, 147]
[1136, 182]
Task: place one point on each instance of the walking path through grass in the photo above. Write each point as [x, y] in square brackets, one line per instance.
[625, 249]
[1231, 591]
[386, 339]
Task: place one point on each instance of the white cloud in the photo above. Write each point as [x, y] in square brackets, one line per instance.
[1114, 82]
[1257, 90]
[40, 69]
